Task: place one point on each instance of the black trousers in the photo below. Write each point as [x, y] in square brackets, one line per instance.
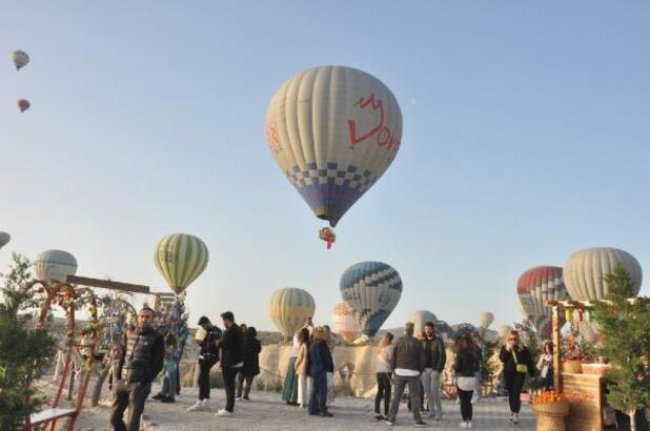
[514, 383]
[465, 403]
[133, 396]
[383, 392]
[204, 378]
[229, 376]
[246, 389]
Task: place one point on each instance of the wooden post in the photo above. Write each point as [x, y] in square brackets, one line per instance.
[557, 369]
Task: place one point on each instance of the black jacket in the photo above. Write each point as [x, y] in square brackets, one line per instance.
[438, 354]
[209, 351]
[232, 346]
[466, 363]
[523, 357]
[252, 349]
[408, 354]
[319, 350]
[143, 357]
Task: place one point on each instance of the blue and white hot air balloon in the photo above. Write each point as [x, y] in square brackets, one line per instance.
[333, 131]
[372, 289]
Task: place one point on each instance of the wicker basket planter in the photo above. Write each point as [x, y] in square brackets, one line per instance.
[550, 416]
[572, 366]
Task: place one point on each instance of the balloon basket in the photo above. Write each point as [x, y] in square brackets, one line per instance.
[550, 416]
[327, 235]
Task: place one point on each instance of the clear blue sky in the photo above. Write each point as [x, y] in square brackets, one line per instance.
[526, 131]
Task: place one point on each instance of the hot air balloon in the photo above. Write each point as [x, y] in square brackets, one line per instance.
[443, 328]
[585, 271]
[4, 239]
[20, 58]
[372, 289]
[180, 259]
[333, 131]
[535, 287]
[54, 266]
[23, 105]
[504, 331]
[419, 318]
[345, 323]
[486, 318]
[289, 309]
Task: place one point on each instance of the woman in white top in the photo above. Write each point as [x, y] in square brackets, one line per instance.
[545, 366]
[301, 367]
[384, 372]
[290, 387]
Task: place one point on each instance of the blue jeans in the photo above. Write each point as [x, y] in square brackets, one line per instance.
[169, 382]
[318, 395]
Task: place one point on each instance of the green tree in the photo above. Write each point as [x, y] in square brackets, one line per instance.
[23, 352]
[625, 333]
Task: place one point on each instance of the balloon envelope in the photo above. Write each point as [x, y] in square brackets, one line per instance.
[345, 322]
[289, 309]
[486, 318]
[419, 318]
[585, 271]
[504, 331]
[538, 285]
[180, 259]
[54, 266]
[23, 105]
[372, 289]
[20, 58]
[4, 239]
[333, 131]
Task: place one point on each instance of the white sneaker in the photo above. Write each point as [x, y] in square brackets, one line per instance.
[196, 406]
[204, 403]
[469, 424]
[223, 413]
[515, 418]
[462, 424]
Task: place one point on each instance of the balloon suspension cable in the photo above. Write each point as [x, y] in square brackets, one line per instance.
[327, 235]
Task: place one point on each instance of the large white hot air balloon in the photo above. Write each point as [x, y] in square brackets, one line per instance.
[54, 266]
[419, 318]
[289, 309]
[19, 58]
[345, 323]
[4, 239]
[485, 319]
[585, 271]
[333, 131]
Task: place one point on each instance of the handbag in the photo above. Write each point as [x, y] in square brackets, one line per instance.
[521, 368]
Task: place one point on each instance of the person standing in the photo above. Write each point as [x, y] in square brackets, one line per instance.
[208, 356]
[301, 367]
[516, 364]
[384, 372]
[251, 368]
[134, 372]
[434, 363]
[290, 387]
[407, 364]
[319, 363]
[232, 359]
[466, 365]
[545, 366]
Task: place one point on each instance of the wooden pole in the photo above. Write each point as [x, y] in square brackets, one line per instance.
[107, 284]
[555, 325]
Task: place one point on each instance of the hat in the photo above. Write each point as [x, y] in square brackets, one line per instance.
[203, 320]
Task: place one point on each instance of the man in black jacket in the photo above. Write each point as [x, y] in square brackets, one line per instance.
[434, 363]
[407, 364]
[141, 363]
[208, 356]
[232, 359]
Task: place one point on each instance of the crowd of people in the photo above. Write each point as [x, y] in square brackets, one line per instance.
[416, 363]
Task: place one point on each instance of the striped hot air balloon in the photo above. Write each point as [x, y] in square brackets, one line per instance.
[372, 289]
[180, 258]
[54, 266]
[333, 131]
[289, 309]
[419, 318]
[345, 322]
[585, 271]
[4, 239]
[538, 285]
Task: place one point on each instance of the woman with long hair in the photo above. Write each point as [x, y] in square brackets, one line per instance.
[466, 365]
[516, 364]
[384, 372]
[301, 366]
[545, 365]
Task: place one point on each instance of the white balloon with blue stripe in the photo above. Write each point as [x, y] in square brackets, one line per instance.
[373, 290]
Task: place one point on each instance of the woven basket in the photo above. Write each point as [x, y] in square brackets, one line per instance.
[554, 408]
[572, 366]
